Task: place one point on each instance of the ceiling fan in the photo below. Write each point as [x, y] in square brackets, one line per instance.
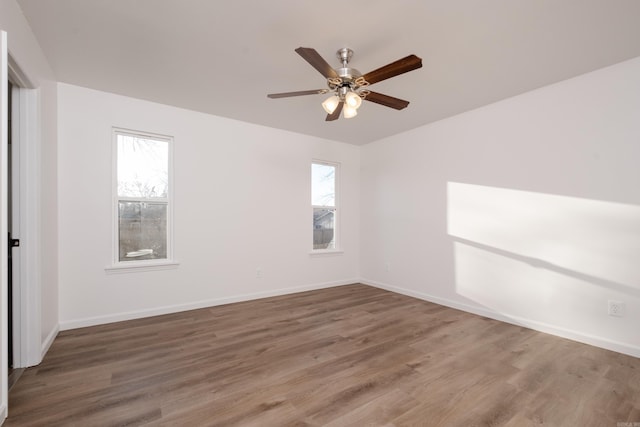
[348, 86]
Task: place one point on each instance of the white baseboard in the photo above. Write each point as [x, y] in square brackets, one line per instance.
[48, 341]
[481, 311]
[3, 413]
[157, 311]
[573, 335]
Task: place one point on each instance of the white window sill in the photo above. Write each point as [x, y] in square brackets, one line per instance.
[326, 252]
[140, 266]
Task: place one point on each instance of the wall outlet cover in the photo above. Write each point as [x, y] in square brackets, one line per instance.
[616, 308]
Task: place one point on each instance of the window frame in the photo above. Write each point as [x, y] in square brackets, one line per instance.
[337, 249]
[149, 264]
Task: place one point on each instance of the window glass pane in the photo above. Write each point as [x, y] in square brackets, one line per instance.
[323, 185]
[142, 231]
[323, 228]
[143, 167]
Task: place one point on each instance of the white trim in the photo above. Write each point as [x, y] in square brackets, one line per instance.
[138, 314]
[27, 266]
[141, 266]
[547, 328]
[17, 76]
[14, 228]
[326, 252]
[4, 308]
[49, 340]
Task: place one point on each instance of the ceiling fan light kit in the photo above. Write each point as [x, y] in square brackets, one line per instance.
[330, 104]
[348, 87]
[353, 100]
[349, 112]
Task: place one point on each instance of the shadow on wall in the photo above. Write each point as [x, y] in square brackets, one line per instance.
[548, 258]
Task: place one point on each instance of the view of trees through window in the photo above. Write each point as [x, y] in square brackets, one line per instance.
[143, 190]
[323, 200]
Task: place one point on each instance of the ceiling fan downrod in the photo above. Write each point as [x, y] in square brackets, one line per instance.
[344, 55]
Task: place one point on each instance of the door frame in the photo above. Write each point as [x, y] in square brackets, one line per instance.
[25, 120]
[4, 118]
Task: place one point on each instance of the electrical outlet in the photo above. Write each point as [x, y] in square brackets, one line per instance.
[387, 266]
[258, 273]
[616, 308]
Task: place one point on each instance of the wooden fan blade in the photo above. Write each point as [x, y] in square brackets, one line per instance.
[299, 93]
[313, 57]
[336, 113]
[398, 67]
[386, 100]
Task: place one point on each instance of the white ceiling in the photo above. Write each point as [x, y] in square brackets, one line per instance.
[223, 57]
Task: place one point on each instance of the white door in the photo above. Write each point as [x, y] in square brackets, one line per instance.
[4, 118]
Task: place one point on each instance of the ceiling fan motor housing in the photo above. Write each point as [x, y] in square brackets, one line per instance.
[348, 74]
[348, 78]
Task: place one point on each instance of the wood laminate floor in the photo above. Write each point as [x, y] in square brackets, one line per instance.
[351, 355]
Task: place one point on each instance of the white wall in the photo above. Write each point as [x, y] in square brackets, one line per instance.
[527, 210]
[242, 202]
[48, 198]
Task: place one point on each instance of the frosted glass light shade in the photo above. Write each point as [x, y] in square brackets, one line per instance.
[330, 104]
[349, 112]
[353, 100]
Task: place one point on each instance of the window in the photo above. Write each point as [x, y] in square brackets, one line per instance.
[324, 203]
[142, 201]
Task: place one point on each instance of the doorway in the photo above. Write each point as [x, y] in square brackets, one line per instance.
[9, 263]
[12, 285]
[23, 218]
